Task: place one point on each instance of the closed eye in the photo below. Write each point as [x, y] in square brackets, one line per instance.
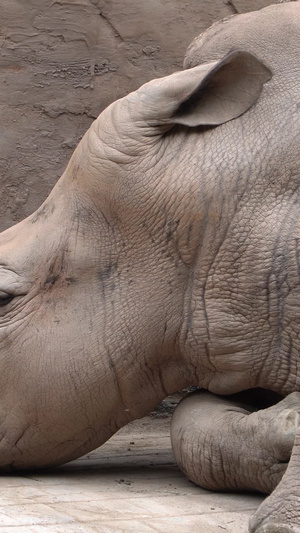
[5, 298]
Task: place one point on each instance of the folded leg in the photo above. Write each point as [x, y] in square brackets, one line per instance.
[224, 443]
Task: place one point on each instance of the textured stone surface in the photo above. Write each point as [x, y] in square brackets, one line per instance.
[63, 61]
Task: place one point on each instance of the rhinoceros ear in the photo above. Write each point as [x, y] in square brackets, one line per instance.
[206, 95]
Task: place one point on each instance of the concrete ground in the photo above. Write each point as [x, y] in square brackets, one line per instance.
[131, 484]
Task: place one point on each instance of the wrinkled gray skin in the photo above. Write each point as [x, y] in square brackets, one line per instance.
[168, 255]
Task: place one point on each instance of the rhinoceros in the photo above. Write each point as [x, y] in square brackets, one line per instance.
[168, 255]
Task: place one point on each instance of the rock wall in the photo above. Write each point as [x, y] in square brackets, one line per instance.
[63, 61]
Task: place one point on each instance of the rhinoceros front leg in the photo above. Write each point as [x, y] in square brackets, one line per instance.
[280, 512]
[223, 444]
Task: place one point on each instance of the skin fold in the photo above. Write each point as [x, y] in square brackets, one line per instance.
[167, 255]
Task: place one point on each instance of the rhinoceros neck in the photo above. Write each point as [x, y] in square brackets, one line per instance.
[241, 303]
[244, 293]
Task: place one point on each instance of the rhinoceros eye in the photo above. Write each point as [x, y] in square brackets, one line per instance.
[5, 298]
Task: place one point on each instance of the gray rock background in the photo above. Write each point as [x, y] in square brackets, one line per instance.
[63, 61]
